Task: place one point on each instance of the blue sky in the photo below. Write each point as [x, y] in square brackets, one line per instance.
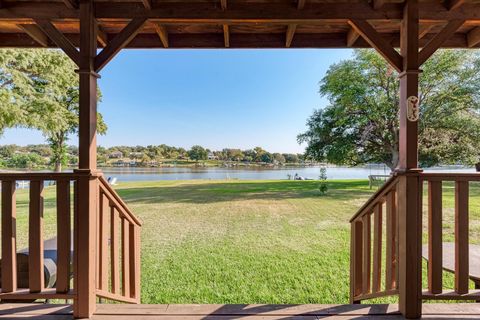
[215, 98]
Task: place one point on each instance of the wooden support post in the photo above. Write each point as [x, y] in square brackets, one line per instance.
[87, 190]
[88, 88]
[410, 188]
[409, 86]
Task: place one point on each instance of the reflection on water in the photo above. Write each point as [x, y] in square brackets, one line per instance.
[251, 173]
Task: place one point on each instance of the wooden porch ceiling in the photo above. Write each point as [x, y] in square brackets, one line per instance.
[240, 23]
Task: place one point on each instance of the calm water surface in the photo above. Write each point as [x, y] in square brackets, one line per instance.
[254, 173]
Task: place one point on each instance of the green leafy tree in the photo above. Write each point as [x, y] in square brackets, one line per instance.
[197, 153]
[43, 86]
[322, 186]
[291, 158]
[279, 158]
[360, 124]
[25, 161]
[266, 157]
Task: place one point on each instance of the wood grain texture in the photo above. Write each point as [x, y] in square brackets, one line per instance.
[35, 33]
[114, 251]
[367, 260]
[135, 262]
[377, 247]
[377, 42]
[104, 228]
[290, 34]
[125, 258]
[9, 237]
[64, 229]
[436, 42]
[118, 43]
[391, 241]
[461, 237]
[329, 17]
[435, 252]
[35, 237]
[59, 39]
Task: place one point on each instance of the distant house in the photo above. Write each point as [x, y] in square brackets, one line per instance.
[115, 155]
[212, 156]
[120, 163]
[136, 155]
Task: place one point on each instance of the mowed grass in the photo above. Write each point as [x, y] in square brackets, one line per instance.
[246, 241]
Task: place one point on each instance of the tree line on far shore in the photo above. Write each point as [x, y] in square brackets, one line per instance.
[42, 156]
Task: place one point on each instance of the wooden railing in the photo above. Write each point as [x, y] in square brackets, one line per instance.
[365, 273]
[64, 204]
[461, 185]
[118, 236]
[119, 242]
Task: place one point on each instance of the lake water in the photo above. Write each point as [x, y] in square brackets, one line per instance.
[252, 173]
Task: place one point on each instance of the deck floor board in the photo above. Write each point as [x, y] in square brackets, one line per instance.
[38, 311]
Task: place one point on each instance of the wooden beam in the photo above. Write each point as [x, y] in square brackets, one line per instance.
[223, 4]
[290, 33]
[301, 4]
[147, 4]
[162, 33]
[102, 37]
[377, 4]
[59, 39]
[35, 33]
[204, 12]
[226, 35]
[454, 4]
[424, 30]
[242, 41]
[352, 37]
[119, 42]
[473, 37]
[375, 40]
[71, 4]
[437, 41]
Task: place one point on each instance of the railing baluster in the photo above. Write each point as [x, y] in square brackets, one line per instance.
[435, 236]
[35, 237]
[125, 258]
[391, 244]
[134, 261]
[366, 271]
[114, 260]
[9, 241]
[103, 242]
[377, 247]
[64, 226]
[461, 237]
[75, 234]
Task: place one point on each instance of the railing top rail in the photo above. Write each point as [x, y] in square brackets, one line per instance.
[111, 192]
[450, 176]
[378, 194]
[41, 175]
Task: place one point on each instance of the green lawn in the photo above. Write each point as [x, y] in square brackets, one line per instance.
[246, 241]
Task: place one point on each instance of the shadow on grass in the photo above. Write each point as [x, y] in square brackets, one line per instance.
[212, 192]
